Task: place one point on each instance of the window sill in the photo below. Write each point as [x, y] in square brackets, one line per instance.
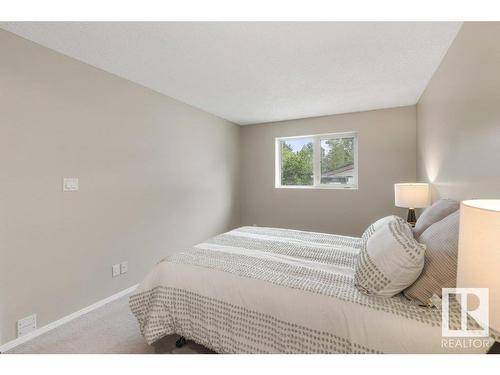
[322, 187]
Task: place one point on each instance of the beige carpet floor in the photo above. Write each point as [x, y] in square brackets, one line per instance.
[111, 329]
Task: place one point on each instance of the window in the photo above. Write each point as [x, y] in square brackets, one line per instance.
[317, 161]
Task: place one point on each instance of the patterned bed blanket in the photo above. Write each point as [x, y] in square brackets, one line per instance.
[268, 290]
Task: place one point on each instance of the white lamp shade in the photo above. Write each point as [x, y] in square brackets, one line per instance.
[411, 195]
[479, 251]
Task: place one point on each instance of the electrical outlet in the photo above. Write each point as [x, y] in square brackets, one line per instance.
[124, 267]
[115, 270]
[26, 325]
[70, 184]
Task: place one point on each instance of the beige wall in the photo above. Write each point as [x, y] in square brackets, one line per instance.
[387, 154]
[458, 118]
[155, 175]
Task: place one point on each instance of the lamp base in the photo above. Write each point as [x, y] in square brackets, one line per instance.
[412, 219]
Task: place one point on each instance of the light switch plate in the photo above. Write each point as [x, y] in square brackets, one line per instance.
[124, 267]
[115, 270]
[70, 184]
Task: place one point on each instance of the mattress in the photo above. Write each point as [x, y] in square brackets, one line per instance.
[269, 290]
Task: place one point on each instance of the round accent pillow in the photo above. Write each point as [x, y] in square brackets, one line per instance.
[377, 224]
[390, 260]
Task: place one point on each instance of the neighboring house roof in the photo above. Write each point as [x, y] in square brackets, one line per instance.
[338, 171]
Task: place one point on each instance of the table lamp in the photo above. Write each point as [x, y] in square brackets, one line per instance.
[479, 252]
[411, 196]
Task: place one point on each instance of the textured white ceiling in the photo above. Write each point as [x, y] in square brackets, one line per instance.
[259, 72]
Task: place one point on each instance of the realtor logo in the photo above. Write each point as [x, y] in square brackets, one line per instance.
[477, 313]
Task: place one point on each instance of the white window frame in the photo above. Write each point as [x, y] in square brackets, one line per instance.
[317, 162]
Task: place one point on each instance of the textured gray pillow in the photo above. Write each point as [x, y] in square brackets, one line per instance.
[390, 261]
[440, 267]
[432, 214]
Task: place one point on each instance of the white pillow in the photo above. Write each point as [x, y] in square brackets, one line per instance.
[434, 213]
[440, 266]
[373, 227]
[390, 260]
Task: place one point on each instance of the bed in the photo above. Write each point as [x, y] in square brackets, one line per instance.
[269, 290]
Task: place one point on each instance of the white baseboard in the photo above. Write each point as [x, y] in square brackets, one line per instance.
[46, 328]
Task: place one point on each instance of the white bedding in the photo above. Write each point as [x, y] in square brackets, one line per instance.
[267, 290]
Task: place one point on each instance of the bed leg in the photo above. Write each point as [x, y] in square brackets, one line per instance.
[180, 342]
